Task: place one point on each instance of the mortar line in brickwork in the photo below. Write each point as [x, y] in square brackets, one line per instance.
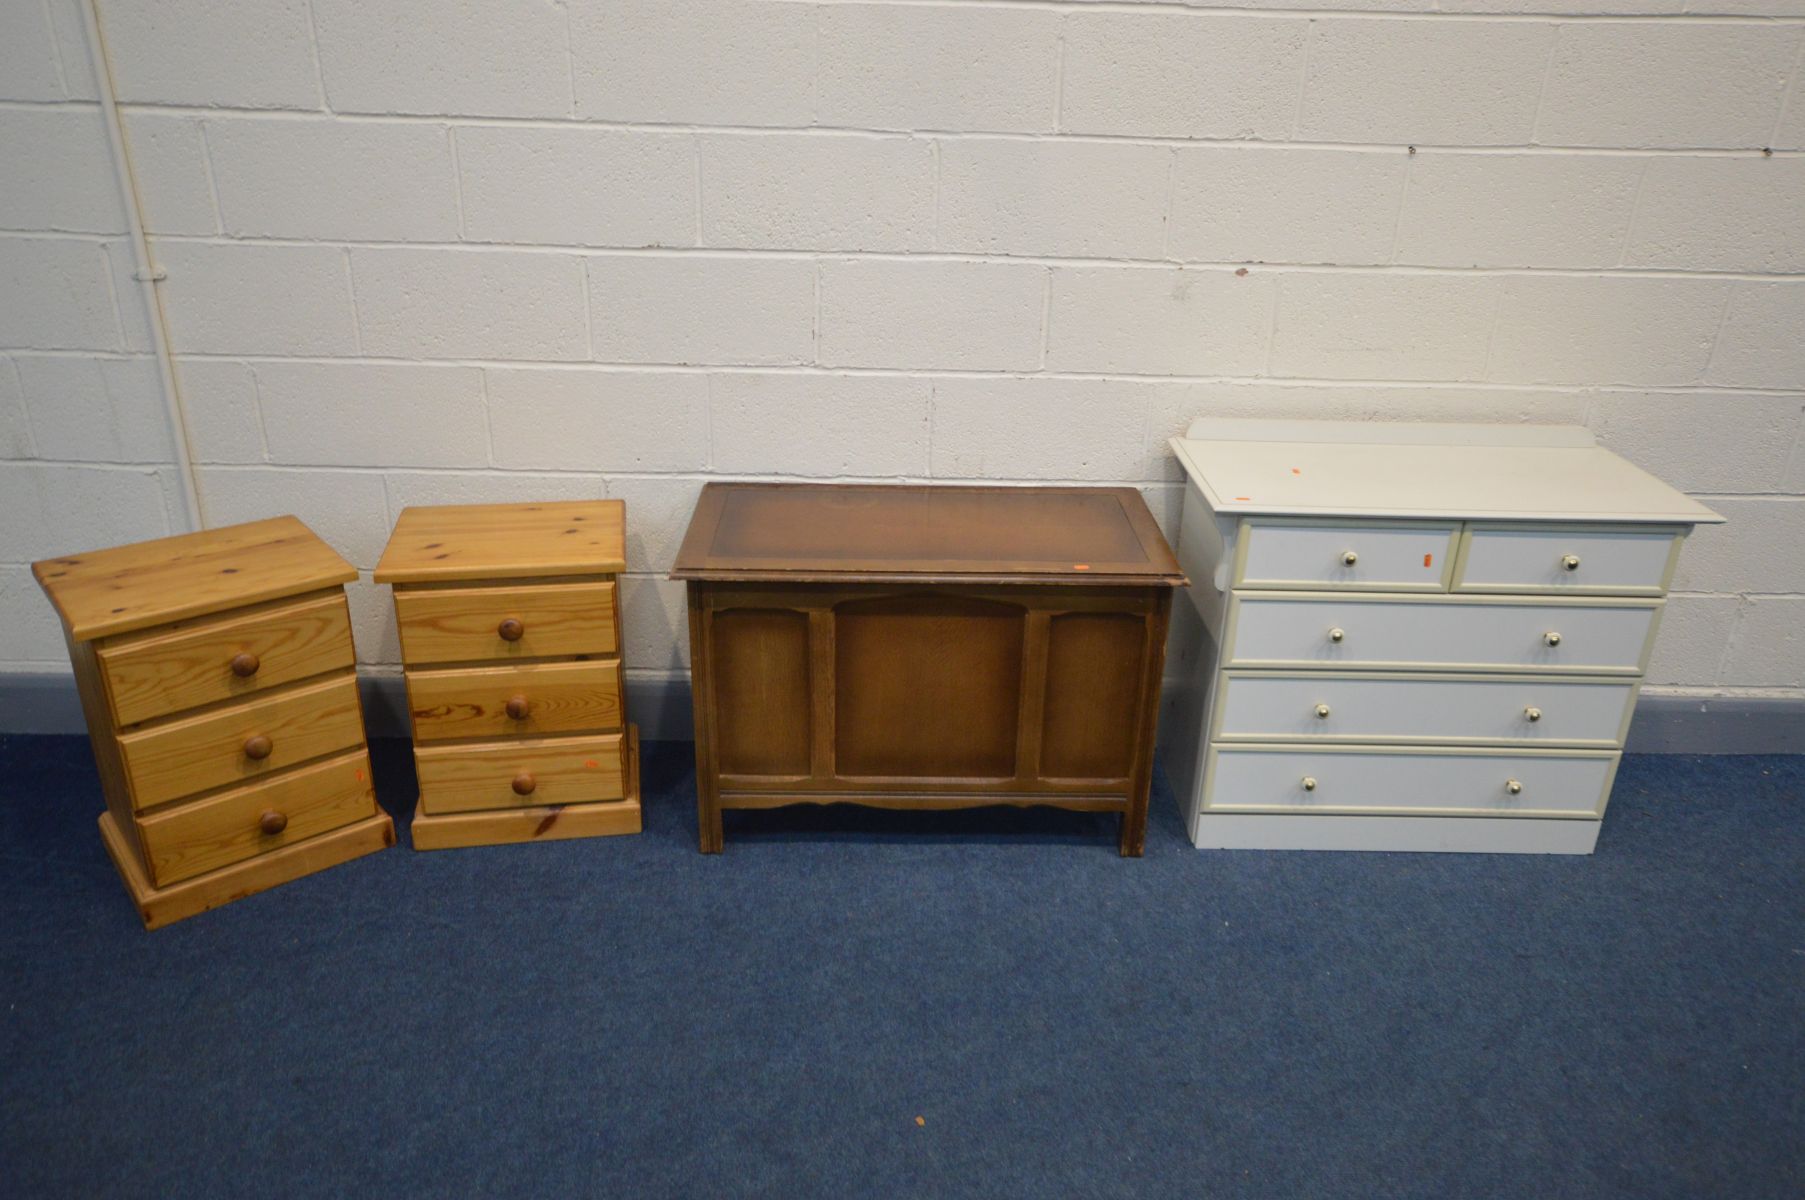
[229, 112]
[1792, 94]
[313, 52]
[56, 51]
[1535, 120]
[457, 177]
[1627, 234]
[906, 256]
[1141, 7]
[1717, 333]
[1301, 382]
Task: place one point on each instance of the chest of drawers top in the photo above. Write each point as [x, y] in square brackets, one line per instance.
[129, 588]
[1535, 473]
[475, 543]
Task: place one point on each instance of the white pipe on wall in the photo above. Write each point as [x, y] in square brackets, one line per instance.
[143, 271]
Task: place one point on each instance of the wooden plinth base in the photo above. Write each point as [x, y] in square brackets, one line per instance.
[164, 906]
[545, 823]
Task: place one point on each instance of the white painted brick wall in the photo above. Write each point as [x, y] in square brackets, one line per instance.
[424, 252]
[787, 192]
[740, 311]
[892, 66]
[291, 179]
[575, 186]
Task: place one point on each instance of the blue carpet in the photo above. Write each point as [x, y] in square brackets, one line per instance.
[862, 1004]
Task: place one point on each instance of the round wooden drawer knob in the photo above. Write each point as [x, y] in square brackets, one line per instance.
[258, 747]
[272, 822]
[1336, 635]
[1552, 638]
[1532, 713]
[1322, 712]
[1513, 787]
[518, 708]
[245, 665]
[1350, 558]
[1309, 783]
[510, 629]
[524, 783]
[1571, 562]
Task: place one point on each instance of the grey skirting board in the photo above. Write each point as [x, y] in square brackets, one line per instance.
[46, 703]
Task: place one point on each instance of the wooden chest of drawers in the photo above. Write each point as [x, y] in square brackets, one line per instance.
[217, 675]
[510, 637]
[925, 648]
[1411, 637]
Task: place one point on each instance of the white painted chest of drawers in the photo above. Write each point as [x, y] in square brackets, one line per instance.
[1410, 636]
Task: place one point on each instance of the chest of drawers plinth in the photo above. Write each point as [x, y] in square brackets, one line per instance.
[1411, 637]
[510, 638]
[218, 679]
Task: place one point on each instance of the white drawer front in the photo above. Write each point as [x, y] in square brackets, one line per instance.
[1390, 557]
[1336, 706]
[1313, 780]
[1570, 636]
[1550, 559]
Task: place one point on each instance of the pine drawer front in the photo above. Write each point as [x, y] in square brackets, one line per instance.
[1549, 559]
[237, 655]
[191, 839]
[476, 776]
[1303, 779]
[566, 697]
[1336, 706]
[172, 759]
[1572, 636]
[1401, 557]
[501, 624]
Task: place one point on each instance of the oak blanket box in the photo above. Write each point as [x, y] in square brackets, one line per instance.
[919, 647]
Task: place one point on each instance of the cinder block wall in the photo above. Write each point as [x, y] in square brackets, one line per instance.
[419, 251]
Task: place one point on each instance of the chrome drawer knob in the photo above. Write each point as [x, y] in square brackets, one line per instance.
[1322, 712]
[1532, 713]
[1513, 787]
[1337, 634]
[1309, 783]
[1350, 558]
[1571, 562]
[1552, 638]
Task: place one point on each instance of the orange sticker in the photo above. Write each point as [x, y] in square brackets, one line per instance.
[1295, 471]
[1244, 497]
[1081, 566]
[1427, 559]
[590, 762]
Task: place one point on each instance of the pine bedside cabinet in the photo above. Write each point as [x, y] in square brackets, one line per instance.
[1411, 636]
[510, 637]
[218, 678]
[925, 647]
